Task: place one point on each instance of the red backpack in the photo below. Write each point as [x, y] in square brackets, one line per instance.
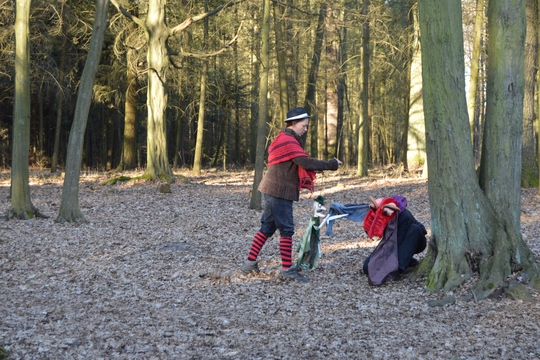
[379, 216]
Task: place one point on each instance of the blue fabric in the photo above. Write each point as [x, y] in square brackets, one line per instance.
[354, 212]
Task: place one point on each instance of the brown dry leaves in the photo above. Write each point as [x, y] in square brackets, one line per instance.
[155, 276]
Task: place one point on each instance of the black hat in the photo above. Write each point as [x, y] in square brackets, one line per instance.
[297, 114]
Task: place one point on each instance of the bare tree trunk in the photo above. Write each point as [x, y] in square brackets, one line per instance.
[59, 106]
[529, 169]
[179, 132]
[411, 43]
[473, 228]
[416, 139]
[69, 207]
[40, 129]
[157, 163]
[254, 93]
[281, 60]
[310, 103]
[21, 204]
[363, 128]
[342, 90]
[256, 200]
[332, 100]
[129, 147]
[200, 123]
[239, 142]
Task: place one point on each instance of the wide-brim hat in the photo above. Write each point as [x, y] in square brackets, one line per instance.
[297, 114]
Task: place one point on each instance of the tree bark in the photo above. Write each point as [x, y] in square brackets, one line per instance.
[157, 163]
[500, 166]
[129, 146]
[473, 229]
[21, 204]
[262, 131]
[69, 207]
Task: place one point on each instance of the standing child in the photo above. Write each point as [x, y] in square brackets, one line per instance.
[289, 169]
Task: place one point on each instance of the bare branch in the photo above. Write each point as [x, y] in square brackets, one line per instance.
[129, 15]
[200, 17]
[208, 55]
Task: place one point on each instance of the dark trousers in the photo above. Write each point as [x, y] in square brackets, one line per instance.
[277, 215]
[410, 243]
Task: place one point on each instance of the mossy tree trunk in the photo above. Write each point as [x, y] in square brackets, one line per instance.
[21, 204]
[69, 207]
[475, 225]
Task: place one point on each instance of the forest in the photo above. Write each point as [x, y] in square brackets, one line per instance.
[316, 51]
[143, 102]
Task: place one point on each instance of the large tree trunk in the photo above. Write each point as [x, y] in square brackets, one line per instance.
[21, 205]
[471, 231]
[157, 163]
[363, 127]
[69, 207]
[529, 169]
[256, 200]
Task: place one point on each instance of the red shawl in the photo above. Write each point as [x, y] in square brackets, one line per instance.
[284, 148]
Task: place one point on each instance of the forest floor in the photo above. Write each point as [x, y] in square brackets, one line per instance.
[155, 276]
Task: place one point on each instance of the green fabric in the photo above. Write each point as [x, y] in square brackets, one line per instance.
[308, 247]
